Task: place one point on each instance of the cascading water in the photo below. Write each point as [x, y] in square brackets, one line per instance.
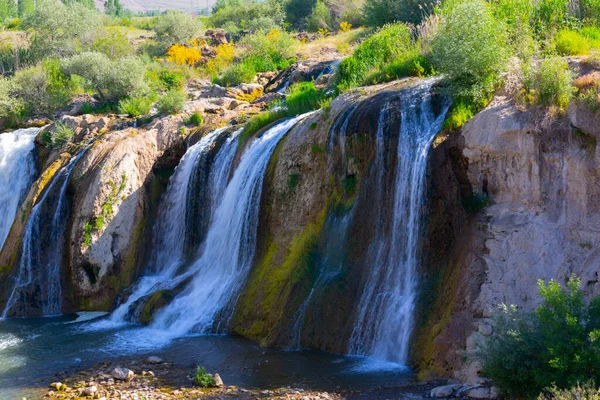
[38, 279]
[169, 250]
[385, 313]
[207, 303]
[17, 173]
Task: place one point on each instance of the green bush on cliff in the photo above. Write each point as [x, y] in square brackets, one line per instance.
[172, 102]
[469, 47]
[581, 391]
[550, 83]
[558, 344]
[392, 43]
[135, 106]
[259, 121]
[571, 43]
[304, 97]
[61, 136]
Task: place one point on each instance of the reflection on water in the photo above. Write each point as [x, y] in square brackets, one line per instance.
[32, 351]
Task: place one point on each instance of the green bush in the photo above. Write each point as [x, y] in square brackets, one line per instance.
[551, 83]
[392, 43]
[587, 391]
[277, 47]
[11, 108]
[470, 48]
[111, 80]
[417, 65]
[304, 97]
[236, 74]
[195, 119]
[458, 115]
[172, 102]
[258, 122]
[135, 106]
[248, 16]
[113, 43]
[203, 379]
[42, 89]
[61, 136]
[176, 27]
[319, 18]
[557, 344]
[381, 12]
[571, 43]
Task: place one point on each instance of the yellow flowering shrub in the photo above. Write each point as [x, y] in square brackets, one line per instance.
[225, 53]
[183, 55]
[345, 26]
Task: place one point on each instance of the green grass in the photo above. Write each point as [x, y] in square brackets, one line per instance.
[259, 121]
[304, 97]
[571, 43]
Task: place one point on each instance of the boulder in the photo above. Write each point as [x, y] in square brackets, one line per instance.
[216, 36]
[90, 390]
[122, 374]
[218, 381]
[444, 391]
[478, 393]
[154, 360]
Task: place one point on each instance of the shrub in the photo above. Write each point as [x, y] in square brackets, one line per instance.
[249, 16]
[470, 48]
[42, 89]
[112, 80]
[61, 136]
[183, 55]
[225, 53]
[136, 106]
[345, 26]
[381, 12]
[390, 44]
[176, 27]
[571, 43]
[112, 42]
[556, 344]
[202, 378]
[172, 102]
[237, 74]
[258, 122]
[319, 18]
[417, 65]
[587, 391]
[458, 115]
[304, 97]
[195, 119]
[10, 107]
[551, 83]
[276, 46]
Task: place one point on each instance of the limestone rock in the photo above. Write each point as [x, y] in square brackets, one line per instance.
[444, 391]
[122, 374]
[218, 381]
[154, 360]
[478, 393]
[90, 390]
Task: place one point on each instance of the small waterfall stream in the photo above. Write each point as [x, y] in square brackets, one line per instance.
[386, 310]
[207, 303]
[38, 280]
[17, 173]
[169, 249]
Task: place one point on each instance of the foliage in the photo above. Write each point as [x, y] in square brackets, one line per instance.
[112, 80]
[470, 48]
[571, 43]
[10, 107]
[304, 97]
[390, 44]
[195, 119]
[276, 46]
[61, 136]
[550, 83]
[381, 12]
[183, 55]
[319, 18]
[61, 30]
[203, 379]
[557, 344]
[176, 27]
[458, 115]
[112, 42]
[296, 11]
[42, 88]
[237, 74]
[224, 58]
[113, 8]
[135, 106]
[412, 64]
[345, 26]
[586, 391]
[172, 102]
[258, 122]
[249, 16]
[588, 90]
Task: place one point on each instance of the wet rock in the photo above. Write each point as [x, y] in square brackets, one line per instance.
[122, 374]
[478, 393]
[444, 391]
[218, 381]
[154, 360]
[90, 391]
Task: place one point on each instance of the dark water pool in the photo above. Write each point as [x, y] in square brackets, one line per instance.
[32, 351]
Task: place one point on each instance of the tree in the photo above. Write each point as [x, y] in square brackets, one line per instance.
[112, 80]
[8, 9]
[25, 7]
[381, 12]
[296, 11]
[319, 18]
[176, 27]
[113, 8]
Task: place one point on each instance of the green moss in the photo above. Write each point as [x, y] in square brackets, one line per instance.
[293, 181]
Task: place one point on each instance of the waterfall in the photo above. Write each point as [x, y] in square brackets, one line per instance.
[17, 173]
[385, 313]
[41, 254]
[169, 249]
[207, 303]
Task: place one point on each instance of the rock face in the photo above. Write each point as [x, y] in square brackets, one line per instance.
[541, 179]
